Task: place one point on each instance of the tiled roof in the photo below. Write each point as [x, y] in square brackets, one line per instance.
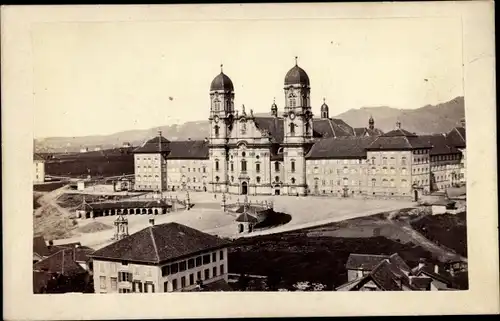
[385, 277]
[392, 142]
[158, 144]
[331, 127]
[457, 137]
[361, 131]
[420, 282]
[365, 262]
[348, 147]
[272, 125]
[441, 145]
[130, 204]
[322, 128]
[399, 132]
[295, 76]
[160, 243]
[245, 217]
[40, 247]
[61, 262]
[428, 270]
[188, 149]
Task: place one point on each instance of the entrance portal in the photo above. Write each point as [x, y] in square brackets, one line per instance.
[277, 191]
[244, 188]
[415, 192]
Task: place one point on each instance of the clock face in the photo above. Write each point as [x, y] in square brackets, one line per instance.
[292, 116]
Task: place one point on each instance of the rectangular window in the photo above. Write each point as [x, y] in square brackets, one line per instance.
[183, 282]
[102, 282]
[222, 269]
[190, 263]
[174, 268]
[165, 270]
[221, 255]
[207, 274]
[198, 275]
[124, 277]
[137, 286]
[198, 261]
[206, 259]
[191, 279]
[232, 167]
[114, 284]
[165, 286]
[214, 271]
[174, 284]
[214, 257]
[293, 167]
[182, 266]
[257, 168]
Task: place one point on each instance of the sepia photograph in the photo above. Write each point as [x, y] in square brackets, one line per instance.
[212, 154]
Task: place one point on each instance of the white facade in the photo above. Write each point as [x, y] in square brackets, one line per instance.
[128, 277]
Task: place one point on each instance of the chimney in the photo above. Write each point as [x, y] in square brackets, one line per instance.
[152, 221]
[421, 263]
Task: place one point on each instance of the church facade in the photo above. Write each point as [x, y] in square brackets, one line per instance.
[293, 152]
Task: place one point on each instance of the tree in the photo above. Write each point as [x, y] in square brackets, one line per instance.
[243, 282]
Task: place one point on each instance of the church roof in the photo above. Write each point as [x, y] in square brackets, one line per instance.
[160, 243]
[441, 145]
[157, 144]
[347, 147]
[272, 125]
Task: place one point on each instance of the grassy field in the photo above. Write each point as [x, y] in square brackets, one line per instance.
[447, 229]
[319, 254]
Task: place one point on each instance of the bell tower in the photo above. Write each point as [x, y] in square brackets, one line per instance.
[221, 122]
[298, 127]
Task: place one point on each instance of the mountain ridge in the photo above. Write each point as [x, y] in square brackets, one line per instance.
[428, 119]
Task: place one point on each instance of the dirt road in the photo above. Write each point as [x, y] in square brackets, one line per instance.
[443, 254]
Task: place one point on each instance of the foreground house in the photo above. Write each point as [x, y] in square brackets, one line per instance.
[38, 169]
[367, 272]
[162, 258]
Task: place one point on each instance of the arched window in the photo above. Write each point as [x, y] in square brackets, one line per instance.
[232, 167]
[216, 105]
[276, 166]
[393, 170]
[373, 160]
[216, 131]
[385, 182]
[257, 167]
[392, 182]
[292, 166]
[346, 170]
[374, 171]
[243, 165]
[403, 160]
[292, 101]
[217, 178]
[293, 180]
[404, 183]
[385, 170]
[346, 182]
[243, 154]
[277, 179]
[216, 165]
[384, 160]
[258, 179]
[403, 171]
[232, 178]
[308, 128]
[292, 129]
[374, 182]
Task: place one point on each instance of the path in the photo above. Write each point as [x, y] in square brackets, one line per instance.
[419, 239]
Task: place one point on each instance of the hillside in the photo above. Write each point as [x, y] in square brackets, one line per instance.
[425, 120]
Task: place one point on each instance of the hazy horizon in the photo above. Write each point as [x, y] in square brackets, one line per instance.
[102, 78]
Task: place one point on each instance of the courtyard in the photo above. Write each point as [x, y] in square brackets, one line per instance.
[206, 215]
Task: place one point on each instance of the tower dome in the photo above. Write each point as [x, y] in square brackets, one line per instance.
[221, 82]
[296, 76]
[324, 109]
[274, 108]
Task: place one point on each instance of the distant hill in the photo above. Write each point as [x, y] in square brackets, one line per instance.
[425, 120]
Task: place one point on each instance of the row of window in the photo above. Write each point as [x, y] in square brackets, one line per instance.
[446, 157]
[345, 182]
[191, 280]
[191, 263]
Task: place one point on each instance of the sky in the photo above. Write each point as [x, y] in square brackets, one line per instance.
[98, 78]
